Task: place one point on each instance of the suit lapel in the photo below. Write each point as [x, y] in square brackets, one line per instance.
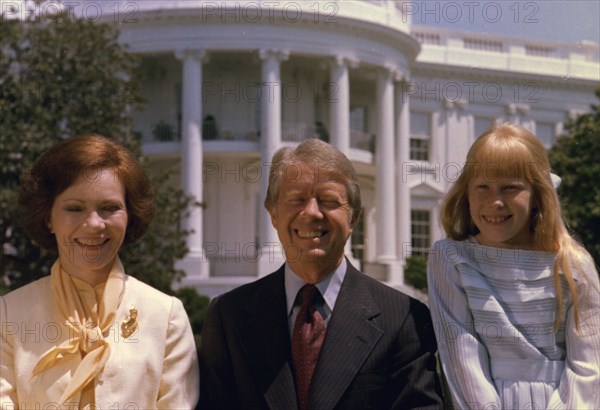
[266, 342]
[351, 337]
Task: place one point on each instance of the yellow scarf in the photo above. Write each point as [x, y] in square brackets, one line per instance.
[88, 335]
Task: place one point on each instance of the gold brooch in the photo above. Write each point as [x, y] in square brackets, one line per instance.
[130, 325]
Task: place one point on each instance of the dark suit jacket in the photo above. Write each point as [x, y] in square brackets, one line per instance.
[378, 351]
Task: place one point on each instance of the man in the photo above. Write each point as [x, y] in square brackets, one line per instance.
[352, 343]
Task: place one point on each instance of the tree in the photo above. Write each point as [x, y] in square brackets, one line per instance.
[59, 77]
[574, 158]
[415, 273]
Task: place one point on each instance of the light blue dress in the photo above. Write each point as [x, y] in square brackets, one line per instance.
[494, 311]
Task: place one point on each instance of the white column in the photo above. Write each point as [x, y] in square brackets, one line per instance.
[340, 119]
[526, 121]
[450, 125]
[340, 106]
[403, 223]
[456, 123]
[517, 113]
[195, 263]
[271, 255]
[385, 194]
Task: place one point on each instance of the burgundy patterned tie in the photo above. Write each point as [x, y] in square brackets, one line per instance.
[307, 338]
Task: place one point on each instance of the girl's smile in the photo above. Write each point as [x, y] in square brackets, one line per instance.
[501, 210]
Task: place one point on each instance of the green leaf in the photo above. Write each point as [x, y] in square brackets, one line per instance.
[574, 158]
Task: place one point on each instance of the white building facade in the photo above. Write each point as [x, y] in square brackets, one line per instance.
[230, 82]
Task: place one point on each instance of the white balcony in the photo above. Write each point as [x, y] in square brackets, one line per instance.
[513, 54]
[361, 143]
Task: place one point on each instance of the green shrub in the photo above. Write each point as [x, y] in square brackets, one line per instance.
[415, 273]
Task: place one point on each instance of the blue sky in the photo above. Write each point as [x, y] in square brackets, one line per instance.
[553, 20]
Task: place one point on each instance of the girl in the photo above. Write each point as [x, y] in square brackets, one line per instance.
[514, 298]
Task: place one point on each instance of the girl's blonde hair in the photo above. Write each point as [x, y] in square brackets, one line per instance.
[509, 150]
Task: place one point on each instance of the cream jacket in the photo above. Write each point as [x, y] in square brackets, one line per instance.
[154, 368]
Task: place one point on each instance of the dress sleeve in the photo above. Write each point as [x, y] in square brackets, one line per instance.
[180, 384]
[580, 381]
[464, 359]
[8, 388]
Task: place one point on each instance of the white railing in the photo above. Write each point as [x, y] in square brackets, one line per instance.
[458, 48]
[455, 38]
[481, 44]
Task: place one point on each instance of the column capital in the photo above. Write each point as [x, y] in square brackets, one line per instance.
[391, 71]
[195, 53]
[522, 109]
[455, 104]
[339, 60]
[574, 113]
[402, 76]
[279, 55]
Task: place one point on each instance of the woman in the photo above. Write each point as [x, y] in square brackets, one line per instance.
[515, 299]
[90, 336]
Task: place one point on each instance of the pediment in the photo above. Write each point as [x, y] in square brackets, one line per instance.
[426, 190]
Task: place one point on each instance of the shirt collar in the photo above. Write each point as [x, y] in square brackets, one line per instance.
[329, 287]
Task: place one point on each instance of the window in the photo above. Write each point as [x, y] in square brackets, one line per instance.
[546, 133]
[358, 119]
[178, 104]
[420, 136]
[359, 137]
[420, 226]
[358, 238]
